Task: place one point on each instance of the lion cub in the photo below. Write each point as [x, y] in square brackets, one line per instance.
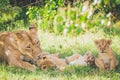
[106, 58]
[51, 61]
[87, 59]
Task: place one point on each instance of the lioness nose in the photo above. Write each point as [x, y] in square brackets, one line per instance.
[37, 56]
[102, 51]
[32, 62]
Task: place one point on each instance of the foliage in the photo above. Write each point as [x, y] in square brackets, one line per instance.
[54, 16]
[74, 20]
[8, 16]
[110, 6]
[12, 17]
[45, 14]
[3, 3]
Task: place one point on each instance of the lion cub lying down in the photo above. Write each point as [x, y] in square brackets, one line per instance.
[87, 59]
[53, 61]
[106, 58]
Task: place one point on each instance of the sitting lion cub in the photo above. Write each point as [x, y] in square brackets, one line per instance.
[106, 58]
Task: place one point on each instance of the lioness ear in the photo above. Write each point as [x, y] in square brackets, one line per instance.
[33, 28]
[19, 35]
[109, 42]
[96, 42]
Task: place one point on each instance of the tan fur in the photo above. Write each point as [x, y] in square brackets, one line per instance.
[47, 61]
[72, 58]
[106, 58]
[44, 63]
[47, 53]
[51, 61]
[87, 59]
[15, 46]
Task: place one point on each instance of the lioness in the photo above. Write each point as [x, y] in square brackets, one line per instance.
[15, 46]
[106, 58]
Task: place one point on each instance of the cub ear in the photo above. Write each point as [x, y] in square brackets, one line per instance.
[19, 35]
[96, 42]
[33, 28]
[44, 57]
[44, 67]
[109, 42]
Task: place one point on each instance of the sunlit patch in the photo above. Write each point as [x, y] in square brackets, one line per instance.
[7, 52]
[109, 23]
[83, 25]
[102, 22]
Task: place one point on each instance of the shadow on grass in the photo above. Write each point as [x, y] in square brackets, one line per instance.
[70, 73]
[112, 31]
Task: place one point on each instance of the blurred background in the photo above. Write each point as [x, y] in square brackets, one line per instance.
[62, 17]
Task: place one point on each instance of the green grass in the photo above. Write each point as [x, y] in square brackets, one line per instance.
[66, 46]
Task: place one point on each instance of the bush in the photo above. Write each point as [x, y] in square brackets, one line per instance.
[8, 15]
[75, 20]
[54, 16]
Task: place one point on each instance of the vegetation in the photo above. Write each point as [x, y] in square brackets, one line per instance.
[66, 46]
[66, 26]
[61, 17]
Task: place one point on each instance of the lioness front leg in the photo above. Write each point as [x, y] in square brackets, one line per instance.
[100, 64]
[21, 64]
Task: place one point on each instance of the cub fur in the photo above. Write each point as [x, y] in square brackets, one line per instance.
[106, 58]
[87, 59]
[47, 61]
[51, 61]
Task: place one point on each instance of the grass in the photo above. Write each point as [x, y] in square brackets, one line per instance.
[67, 45]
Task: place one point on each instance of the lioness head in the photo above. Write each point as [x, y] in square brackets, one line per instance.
[103, 45]
[27, 42]
[32, 34]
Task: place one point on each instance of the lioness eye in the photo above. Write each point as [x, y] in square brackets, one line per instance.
[37, 42]
[28, 47]
[44, 67]
[105, 45]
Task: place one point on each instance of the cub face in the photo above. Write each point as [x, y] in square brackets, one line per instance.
[44, 63]
[103, 45]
